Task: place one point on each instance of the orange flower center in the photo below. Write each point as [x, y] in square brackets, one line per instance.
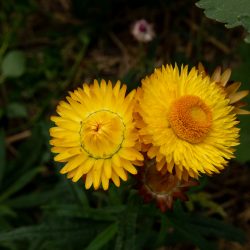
[190, 118]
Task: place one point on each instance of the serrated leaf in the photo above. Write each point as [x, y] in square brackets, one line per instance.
[232, 13]
[103, 238]
[13, 64]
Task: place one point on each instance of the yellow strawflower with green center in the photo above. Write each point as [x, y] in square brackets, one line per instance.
[95, 135]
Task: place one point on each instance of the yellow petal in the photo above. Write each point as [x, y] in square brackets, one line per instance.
[97, 171]
[107, 168]
[83, 169]
[152, 152]
[73, 163]
[130, 154]
[89, 180]
[129, 166]
[71, 174]
[105, 182]
[65, 155]
[115, 179]
[120, 172]
[116, 160]
[170, 166]
[117, 88]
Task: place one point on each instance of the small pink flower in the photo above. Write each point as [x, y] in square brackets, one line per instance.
[143, 31]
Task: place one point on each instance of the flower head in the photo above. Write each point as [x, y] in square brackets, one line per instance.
[143, 31]
[95, 135]
[189, 124]
[161, 186]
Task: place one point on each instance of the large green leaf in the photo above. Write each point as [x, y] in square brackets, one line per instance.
[232, 13]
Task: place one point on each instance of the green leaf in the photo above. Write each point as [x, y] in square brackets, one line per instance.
[13, 64]
[80, 194]
[5, 210]
[31, 200]
[104, 237]
[126, 238]
[97, 214]
[209, 226]
[16, 110]
[20, 183]
[232, 13]
[191, 234]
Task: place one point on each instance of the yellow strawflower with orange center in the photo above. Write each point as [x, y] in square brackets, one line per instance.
[186, 122]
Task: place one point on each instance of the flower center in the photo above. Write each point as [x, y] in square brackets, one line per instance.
[102, 134]
[190, 118]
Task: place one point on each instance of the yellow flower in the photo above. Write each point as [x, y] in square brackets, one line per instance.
[95, 135]
[189, 123]
[231, 90]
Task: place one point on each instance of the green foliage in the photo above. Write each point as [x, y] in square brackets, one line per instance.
[242, 74]
[16, 110]
[13, 64]
[48, 48]
[231, 12]
[101, 239]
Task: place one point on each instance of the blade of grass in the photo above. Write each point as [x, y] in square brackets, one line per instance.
[103, 238]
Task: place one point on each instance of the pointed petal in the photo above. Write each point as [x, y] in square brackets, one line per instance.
[97, 171]
[73, 163]
[130, 154]
[232, 88]
[216, 75]
[120, 172]
[115, 179]
[105, 182]
[225, 77]
[83, 169]
[129, 166]
[107, 168]
[89, 180]
[238, 96]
